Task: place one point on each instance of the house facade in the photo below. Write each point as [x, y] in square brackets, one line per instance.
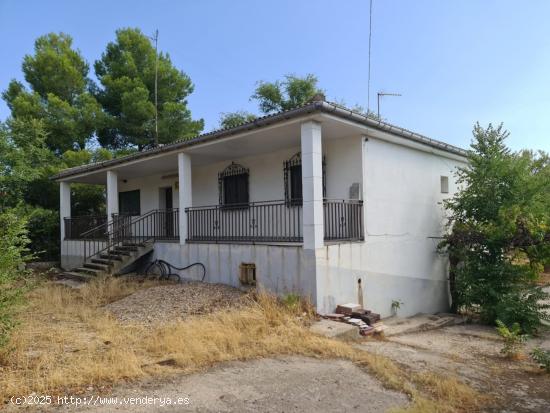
[319, 201]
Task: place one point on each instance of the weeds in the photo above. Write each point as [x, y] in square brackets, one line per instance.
[542, 357]
[66, 342]
[514, 340]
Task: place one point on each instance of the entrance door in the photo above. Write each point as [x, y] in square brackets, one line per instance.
[169, 213]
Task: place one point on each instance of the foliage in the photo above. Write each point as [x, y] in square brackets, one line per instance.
[513, 339]
[234, 119]
[13, 252]
[542, 357]
[22, 153]
[126, 72]
[289, 93]
[43, 232]
[396, 305]
[57, 75]
[498, 236]
[292, 301]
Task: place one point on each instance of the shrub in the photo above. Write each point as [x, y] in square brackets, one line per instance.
[43, 232]
[498, 233]
[13, 252]
[513, 339]
[542, 357]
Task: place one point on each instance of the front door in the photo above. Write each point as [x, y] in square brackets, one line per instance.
[169, 214]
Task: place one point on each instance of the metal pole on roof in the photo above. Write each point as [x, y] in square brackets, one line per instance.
[155, 38]
[370, 37]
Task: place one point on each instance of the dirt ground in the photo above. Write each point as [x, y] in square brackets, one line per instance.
[288, 384]
[471, 353]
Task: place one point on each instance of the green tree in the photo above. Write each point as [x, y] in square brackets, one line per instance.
[59, 97]
[289, 93]
[498, 236]
[23, 153]
[234, 119]
[126, 72]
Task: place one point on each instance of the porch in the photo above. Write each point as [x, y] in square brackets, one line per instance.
[255, 222]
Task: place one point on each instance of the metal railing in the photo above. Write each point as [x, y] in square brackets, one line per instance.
[272, 221]
[126, 229]
[267, 221]
[75, 226]
[343, 220]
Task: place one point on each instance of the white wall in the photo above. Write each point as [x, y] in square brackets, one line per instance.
[343, 157]
[343, 165]
[266, 180]
[398, 260]
[279, 269]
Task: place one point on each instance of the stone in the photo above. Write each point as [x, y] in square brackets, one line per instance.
[334, 329]
[348, 308]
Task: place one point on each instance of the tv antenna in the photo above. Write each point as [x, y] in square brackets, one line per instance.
[384, 94]
[155, 38]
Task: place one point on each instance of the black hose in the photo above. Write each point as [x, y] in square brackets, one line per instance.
[166, 269]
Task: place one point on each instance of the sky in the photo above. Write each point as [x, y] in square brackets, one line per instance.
[455, 62]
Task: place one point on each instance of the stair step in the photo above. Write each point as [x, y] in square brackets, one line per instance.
[90, 271]
[73, 275]
[133, 244]
[124, 248]
[97, 266]
[111, 257]
[102, 261]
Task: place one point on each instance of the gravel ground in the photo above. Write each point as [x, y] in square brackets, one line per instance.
[175, 301]
[289, 384]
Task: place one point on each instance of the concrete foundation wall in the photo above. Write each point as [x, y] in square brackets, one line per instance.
[279, 269]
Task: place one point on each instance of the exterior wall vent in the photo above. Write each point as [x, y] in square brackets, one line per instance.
[247, 275]
[354, 191]
[444, 184]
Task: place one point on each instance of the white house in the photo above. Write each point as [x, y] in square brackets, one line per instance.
[318, 199]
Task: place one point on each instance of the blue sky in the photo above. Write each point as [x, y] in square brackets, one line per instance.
[454, 62]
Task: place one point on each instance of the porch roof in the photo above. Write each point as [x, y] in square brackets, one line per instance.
[280, 118]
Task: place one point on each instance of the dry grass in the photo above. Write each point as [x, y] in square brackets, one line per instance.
[66, 342]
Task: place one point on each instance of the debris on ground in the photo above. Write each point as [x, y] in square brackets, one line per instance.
[173, 302]
[351, 313]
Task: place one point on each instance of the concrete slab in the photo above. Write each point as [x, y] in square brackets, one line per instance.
[420, 322]
[335, 329]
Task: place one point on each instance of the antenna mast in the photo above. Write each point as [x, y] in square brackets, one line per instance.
[370, 36]
[155, 39]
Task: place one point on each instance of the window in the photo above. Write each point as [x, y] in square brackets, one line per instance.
[129, 203]
[233, 185]
[444, 184]
[296, 183]
[293, 180]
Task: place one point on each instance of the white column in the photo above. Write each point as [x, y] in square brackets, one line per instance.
[112, 194]
[312, 185]
[64, 205]
[185, 193]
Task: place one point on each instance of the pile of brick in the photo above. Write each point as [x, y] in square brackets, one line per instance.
[367, 321]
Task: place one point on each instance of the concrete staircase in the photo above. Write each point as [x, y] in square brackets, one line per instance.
[109, 262]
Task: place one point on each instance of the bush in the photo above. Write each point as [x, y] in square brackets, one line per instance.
[524, 306]
[498, 233]
[542, 357]
[13, 253]
[514, 340]
[44, 233]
